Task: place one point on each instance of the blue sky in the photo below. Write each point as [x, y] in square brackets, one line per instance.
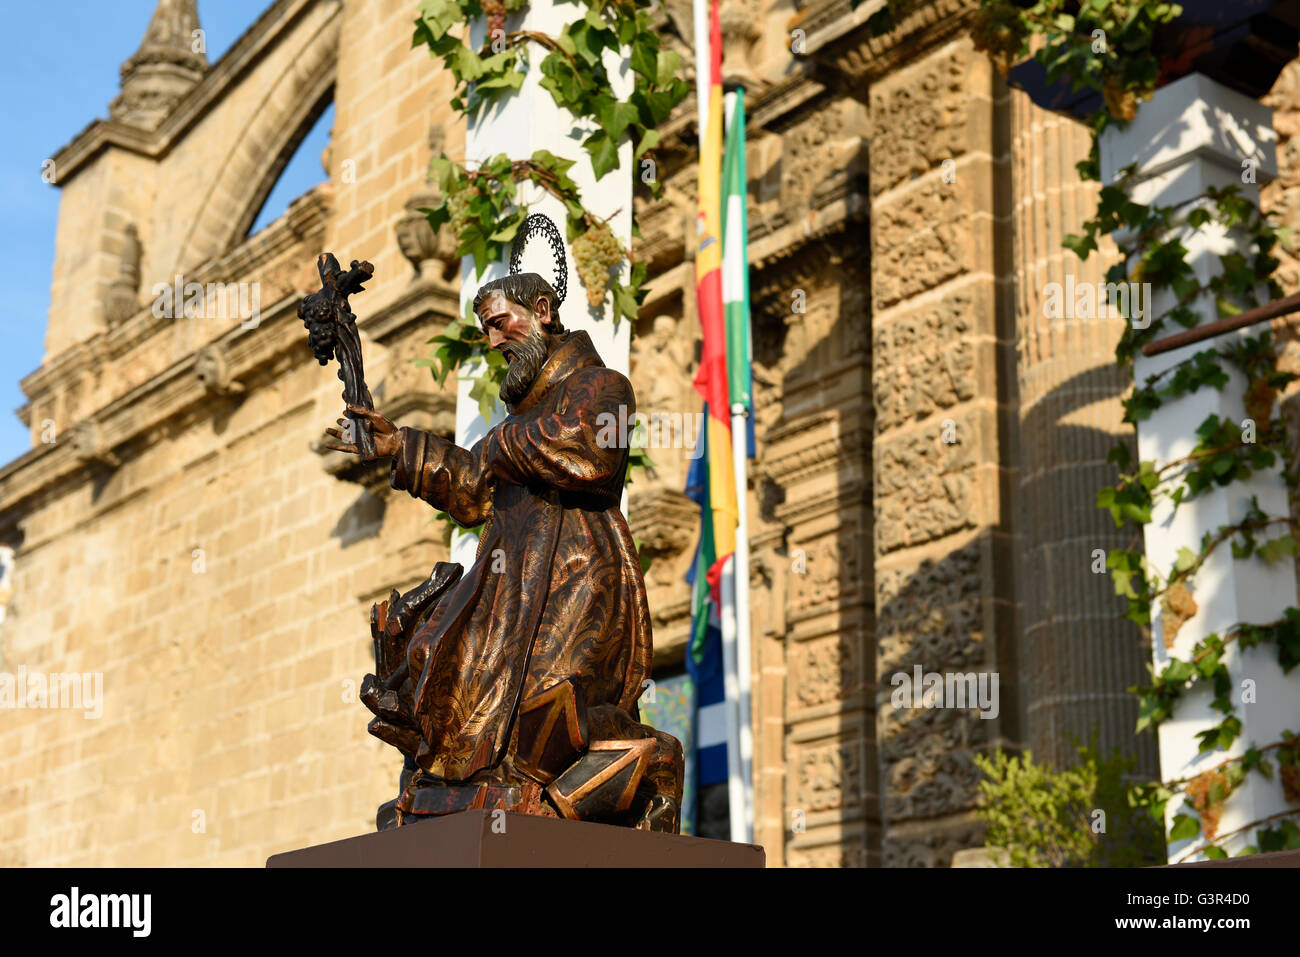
[59, 64]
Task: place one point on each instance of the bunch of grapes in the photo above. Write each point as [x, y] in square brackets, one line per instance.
[496, 11]
[496, 18]
[458, 207]
[1210, 810]
[594, 253]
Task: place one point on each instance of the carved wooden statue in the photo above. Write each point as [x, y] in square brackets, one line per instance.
[514, 685]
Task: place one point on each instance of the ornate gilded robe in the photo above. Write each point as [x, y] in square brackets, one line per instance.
[556, 589]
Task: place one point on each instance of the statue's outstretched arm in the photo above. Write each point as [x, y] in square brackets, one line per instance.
[457, 481]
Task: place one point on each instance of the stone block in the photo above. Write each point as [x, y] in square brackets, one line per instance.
[483, 838]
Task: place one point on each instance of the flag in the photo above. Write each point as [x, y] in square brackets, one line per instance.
[704, 649]
[711, 377]
[710, 482]
[735, 271]
[736, 646]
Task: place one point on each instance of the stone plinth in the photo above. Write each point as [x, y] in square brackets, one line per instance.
[483, 838]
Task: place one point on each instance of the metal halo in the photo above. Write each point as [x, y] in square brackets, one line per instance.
[541, 223]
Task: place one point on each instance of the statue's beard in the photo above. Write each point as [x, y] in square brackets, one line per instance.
[526, 361]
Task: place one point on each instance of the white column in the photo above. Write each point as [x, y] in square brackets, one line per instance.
[518, 125]
[1193, 134]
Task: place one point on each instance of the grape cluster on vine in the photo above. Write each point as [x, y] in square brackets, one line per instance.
[594, 253]
[458, 209]
[1206, 792]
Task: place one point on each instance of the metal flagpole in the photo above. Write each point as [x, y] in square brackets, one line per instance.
[700, 10]
[735, 776]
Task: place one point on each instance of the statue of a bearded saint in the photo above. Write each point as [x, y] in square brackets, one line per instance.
[519, 688]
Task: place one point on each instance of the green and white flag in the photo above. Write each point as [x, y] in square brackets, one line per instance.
[735, 267]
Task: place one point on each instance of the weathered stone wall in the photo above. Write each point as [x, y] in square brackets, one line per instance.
[944, 589]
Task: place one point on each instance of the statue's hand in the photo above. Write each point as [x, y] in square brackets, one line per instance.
[388, 439]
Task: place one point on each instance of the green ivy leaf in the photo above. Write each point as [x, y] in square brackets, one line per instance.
[615, 118]
[1226, 308]
[644, 56]
[1276, 548]
[668, 66]
[1081, 246]
[588, 42]
[625, 303]
[469, 64]
[1184, 827]
[604, 152]
[649, 140]
[436, 18]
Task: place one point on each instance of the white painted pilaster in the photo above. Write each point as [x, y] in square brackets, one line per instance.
[1193, 134]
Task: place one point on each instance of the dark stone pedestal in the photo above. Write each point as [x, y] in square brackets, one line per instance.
[484, 838]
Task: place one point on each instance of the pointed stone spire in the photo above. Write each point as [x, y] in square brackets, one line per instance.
[171, 59]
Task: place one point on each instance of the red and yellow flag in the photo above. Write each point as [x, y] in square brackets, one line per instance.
[711, 379]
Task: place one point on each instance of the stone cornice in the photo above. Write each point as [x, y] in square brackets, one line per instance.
[306, 218]
[799, 450]
[847, 55]
[769, 246]
[763, 108]
[829, 20]
[781, 99]
[852, 493]
[178, 390]
[663, 237]
[662, 517]
[672, 282]
[774, 242]
[242, 56]
[166, 396]
[417, 301]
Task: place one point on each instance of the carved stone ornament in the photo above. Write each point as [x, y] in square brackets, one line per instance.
[170, 61]
[123, 300]
[213, 371]
[740, 22]
[89, 446]
[427, 252]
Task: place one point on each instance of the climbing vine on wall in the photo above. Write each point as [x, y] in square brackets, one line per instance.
[1107, 46]
[481, 205]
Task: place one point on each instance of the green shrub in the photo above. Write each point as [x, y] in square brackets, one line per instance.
[1077, 817]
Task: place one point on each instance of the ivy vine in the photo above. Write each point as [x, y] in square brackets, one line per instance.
[1107, 46]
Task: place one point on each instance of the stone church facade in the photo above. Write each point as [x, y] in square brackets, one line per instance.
[929, 444]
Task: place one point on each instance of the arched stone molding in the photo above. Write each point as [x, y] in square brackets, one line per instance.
[273, 132]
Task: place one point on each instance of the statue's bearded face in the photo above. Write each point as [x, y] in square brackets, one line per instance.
[520, 334]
